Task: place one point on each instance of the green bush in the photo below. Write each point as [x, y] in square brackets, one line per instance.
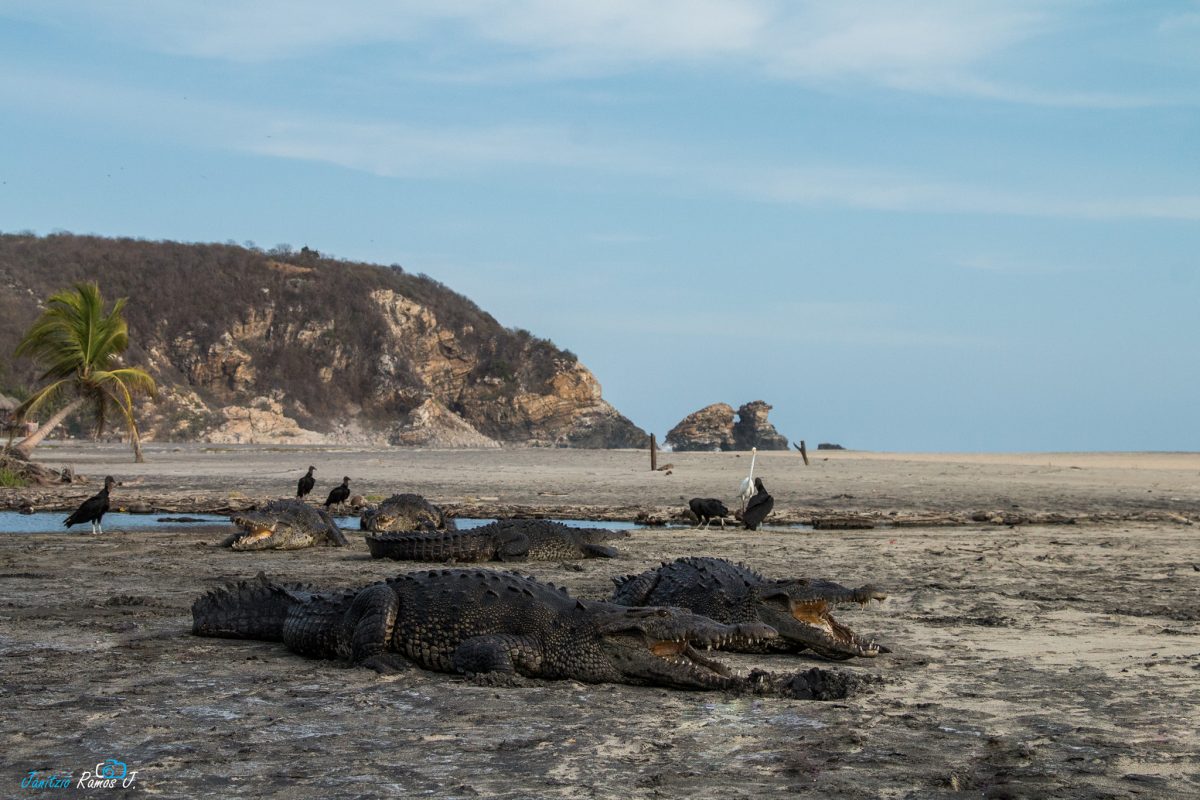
[11, 479]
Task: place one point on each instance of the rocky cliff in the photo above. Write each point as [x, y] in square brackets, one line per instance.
[253, 346]
[714, 428]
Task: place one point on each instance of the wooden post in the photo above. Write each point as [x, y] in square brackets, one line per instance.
[653, 453]
[804, 452]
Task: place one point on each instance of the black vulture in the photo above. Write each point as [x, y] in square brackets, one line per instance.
[306, 483]
[759, 506]
[707, 509]
[339, 495]
[92, 510]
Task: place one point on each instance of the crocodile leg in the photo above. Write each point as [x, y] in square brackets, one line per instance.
[499, 656]
[514, 547]
[369, 624]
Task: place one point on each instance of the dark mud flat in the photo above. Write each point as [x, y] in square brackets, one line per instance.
[1031, 662]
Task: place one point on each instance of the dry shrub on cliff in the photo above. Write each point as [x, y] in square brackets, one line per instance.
[185, 298]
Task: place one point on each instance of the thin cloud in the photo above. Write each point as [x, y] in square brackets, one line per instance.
[379, 148]
[1020, 266]
[881, 40]
[391, 150]
[396, 150]
[949, 47]
[853, 188]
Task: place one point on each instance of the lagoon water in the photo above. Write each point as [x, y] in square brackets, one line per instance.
[52, 522]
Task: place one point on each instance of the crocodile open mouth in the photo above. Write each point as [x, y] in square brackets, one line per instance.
[668, 649]
[253, 531]
[685, 656]
[825, 635]
[674, 654]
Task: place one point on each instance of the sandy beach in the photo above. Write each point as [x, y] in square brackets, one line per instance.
[1043, 613]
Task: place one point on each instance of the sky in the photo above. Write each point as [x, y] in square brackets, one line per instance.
[910, 226]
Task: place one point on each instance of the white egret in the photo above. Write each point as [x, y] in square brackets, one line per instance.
[747, 489]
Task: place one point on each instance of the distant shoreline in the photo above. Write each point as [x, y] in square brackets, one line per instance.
[877, 488]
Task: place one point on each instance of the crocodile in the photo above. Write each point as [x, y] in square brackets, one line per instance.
[733, 593]
[495, 627]
[284, 525]
[503, 540]
[405, 513]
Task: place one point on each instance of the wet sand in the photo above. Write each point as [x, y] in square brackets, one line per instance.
[1029, 660]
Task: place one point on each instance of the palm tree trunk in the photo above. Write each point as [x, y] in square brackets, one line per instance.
[26, 445]
[138, 458]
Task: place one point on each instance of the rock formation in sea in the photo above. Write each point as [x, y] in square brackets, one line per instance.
[715, 428]
[753, 430]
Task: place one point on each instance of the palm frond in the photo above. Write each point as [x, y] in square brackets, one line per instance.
[40, 398]
[74, 336]
[137, 380]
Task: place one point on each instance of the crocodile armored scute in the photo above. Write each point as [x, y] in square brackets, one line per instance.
[284, 525]
[481, 623]
[798, 608]
[503, 540]
[405, 513]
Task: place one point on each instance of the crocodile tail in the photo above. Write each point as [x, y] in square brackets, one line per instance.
[253, 609]
[452, 546]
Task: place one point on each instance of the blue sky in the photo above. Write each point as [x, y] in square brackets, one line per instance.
[937, 225]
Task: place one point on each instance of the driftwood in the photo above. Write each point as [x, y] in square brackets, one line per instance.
[842, 523]
[941, 521]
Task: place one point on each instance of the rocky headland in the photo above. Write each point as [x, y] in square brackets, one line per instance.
[282, 346]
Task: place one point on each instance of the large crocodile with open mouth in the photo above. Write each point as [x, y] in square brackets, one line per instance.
[284, 525]
[733, 593]
[503, 540]
[497, 627]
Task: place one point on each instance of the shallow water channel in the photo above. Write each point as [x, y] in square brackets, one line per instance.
[52, 522]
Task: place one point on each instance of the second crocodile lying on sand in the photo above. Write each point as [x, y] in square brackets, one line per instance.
[504, 540]
[497, 627]
[733, 593]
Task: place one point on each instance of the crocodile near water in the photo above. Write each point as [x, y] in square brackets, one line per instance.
[503, 540]
[496, 627]
[405, 513]
[733, 593]
[284, 525]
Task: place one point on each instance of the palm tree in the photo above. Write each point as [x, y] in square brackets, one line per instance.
[81, 347]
